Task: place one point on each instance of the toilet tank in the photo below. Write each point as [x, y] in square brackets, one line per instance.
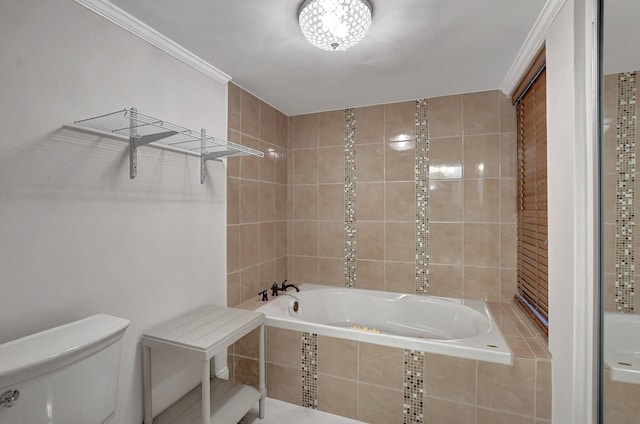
[65, 375]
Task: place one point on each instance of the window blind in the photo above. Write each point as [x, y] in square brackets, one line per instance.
[532, 262]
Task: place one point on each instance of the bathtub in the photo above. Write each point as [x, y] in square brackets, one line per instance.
[622, 346]
[456, 327]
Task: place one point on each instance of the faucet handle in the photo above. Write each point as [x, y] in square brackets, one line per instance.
[274, 289]
[284, 285]
[264, 295]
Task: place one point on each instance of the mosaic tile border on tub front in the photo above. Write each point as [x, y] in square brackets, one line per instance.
[309, 370]
[413, 387]
[349, 198]
[625, 192]
[422, 196]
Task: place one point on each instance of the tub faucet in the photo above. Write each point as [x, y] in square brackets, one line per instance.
[285, 286]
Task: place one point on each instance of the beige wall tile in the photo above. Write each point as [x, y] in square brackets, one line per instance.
[507, 388]
[291, 132]
[281, 129]
[282, 202]
[281, 171]
[305, 238]
[233, 106]
[399, 165]
[609, 241]
[380, 365]
[233, 163]
[248, 345]
[249, 282]
[331, 202]
[233, 248]
[399, 119]
[370, 201]
[507, 113]
[281, 383]
[519, 347]
[331, 271]
[331, 128]
[280, 236]
[508, 200]
[543, 390]
[482, 156]
[370, 124]
[338, 357]
[250, 165]
[267, 275]
[609, 205]
[450, 378]
[379, 405]
[481, 201]
[233, 289]
[250, 109]
[267, 123]
[267, 241]
[305, 270]
[281, 269]
[338, 396]
[400, 201]
[508, 154]
[481, 112]
[267, 201]
[284, 347]
[371, 240]
[445, 158]
[445, 116]
[331, 165]
[400, 277]
[482, 244]
[445, 201]
[437, 411]
[481, 283]
[305, 166]
[249, 201]
[508, 245]
[400, 241]
[445, 280]
[370, 275]
[305, 131]
[245, 371]
[487, 416]
[249, 244]
[305, 202]
[620, 401]
[610, 292]
[445, 243]
[331, 239]
[268, 162]
[508, 283]
[370, 163]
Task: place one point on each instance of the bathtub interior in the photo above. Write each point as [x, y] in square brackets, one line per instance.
[621, 352]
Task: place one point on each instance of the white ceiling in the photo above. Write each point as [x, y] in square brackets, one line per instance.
[414, 49]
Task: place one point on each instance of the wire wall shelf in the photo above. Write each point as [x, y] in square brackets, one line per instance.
[143, 129]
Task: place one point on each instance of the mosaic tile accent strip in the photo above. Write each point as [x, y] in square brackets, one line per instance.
[625, 192]
[349, 198]
[422, 196]
[310, 370]
[413, 407]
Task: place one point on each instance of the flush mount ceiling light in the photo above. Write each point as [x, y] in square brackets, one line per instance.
[334, 24]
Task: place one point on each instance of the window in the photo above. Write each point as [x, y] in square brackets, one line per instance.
[532, 287]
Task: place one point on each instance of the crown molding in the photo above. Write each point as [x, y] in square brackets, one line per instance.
[531, 46]
[114, 14]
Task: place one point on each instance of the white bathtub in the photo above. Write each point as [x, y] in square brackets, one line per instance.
[622, 346]
[455, 327]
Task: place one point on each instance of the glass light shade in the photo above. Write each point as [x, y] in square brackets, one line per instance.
[335, 24]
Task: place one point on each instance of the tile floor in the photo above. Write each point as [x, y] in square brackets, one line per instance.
[278, 412]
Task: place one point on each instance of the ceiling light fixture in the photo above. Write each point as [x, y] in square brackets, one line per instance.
[335, 24]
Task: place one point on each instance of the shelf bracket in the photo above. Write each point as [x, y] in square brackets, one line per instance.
[135, 142]
[203, 137]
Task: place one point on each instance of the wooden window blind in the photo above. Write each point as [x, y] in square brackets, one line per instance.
[532, 263]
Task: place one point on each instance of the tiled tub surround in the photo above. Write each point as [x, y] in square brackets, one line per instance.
[472, 197]
[256, 198]
[365, 381]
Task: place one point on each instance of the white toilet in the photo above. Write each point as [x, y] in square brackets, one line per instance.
[65, 375]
